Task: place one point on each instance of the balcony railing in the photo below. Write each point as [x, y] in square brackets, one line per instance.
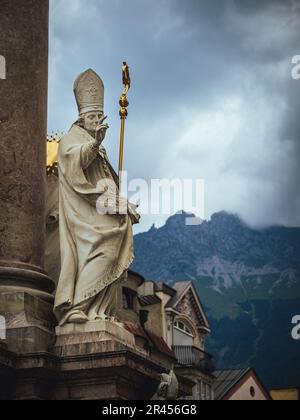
[189, 356]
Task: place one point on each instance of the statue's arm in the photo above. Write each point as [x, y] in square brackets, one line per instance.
[88, 153]
[90, 150]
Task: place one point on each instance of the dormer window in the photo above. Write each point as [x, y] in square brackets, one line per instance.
[183, 327]
[128, 298]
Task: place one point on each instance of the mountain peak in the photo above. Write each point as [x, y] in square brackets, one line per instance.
[153, 228]
[223, 217]
[179, 219]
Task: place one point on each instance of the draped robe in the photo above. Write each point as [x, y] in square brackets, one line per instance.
[96, 249]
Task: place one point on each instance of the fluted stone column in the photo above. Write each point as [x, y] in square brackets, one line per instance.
[23, 118]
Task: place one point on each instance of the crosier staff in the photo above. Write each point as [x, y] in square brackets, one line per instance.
[123, 114]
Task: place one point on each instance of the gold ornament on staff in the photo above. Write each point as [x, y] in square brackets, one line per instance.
[123, 114]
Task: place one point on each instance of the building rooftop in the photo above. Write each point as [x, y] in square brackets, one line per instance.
[180, 288]
[226, 380]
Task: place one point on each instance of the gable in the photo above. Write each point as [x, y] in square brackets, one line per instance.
[248, 389]
[188, 304]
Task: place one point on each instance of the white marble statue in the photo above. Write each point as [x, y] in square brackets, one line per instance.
[168, 387]
[96, 248]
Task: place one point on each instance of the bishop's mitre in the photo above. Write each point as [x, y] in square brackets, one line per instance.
[89, 92]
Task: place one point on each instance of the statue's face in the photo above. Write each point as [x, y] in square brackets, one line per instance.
[91, 120]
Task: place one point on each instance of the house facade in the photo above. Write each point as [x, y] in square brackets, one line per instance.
[177, 315]
[239, 385]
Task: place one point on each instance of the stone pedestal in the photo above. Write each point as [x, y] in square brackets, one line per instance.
[100, 360]
[85, 363]
[93, 332]
[94, 365]
[29, 322]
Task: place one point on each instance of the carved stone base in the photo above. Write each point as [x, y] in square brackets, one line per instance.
[29, 322]
[95, 361]
[100, 360]
[26, 279]
[96, 331]
[104, 370]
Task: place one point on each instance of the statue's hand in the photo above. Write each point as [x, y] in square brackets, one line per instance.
[133, 214]
[125, 207]
[101, 130]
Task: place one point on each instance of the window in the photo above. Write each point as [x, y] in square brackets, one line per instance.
[208, 393]
[183, 327]
[128, 298]
[199, 388]
[203, 393]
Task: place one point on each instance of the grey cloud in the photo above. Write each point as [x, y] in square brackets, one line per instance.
[188, 55]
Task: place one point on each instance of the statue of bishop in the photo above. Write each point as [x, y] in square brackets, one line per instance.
[96, 247]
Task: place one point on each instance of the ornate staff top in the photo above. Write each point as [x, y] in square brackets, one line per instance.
[123, 114]
[126, 77]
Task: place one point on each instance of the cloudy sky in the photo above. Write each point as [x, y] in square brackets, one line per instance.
[212, 96]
